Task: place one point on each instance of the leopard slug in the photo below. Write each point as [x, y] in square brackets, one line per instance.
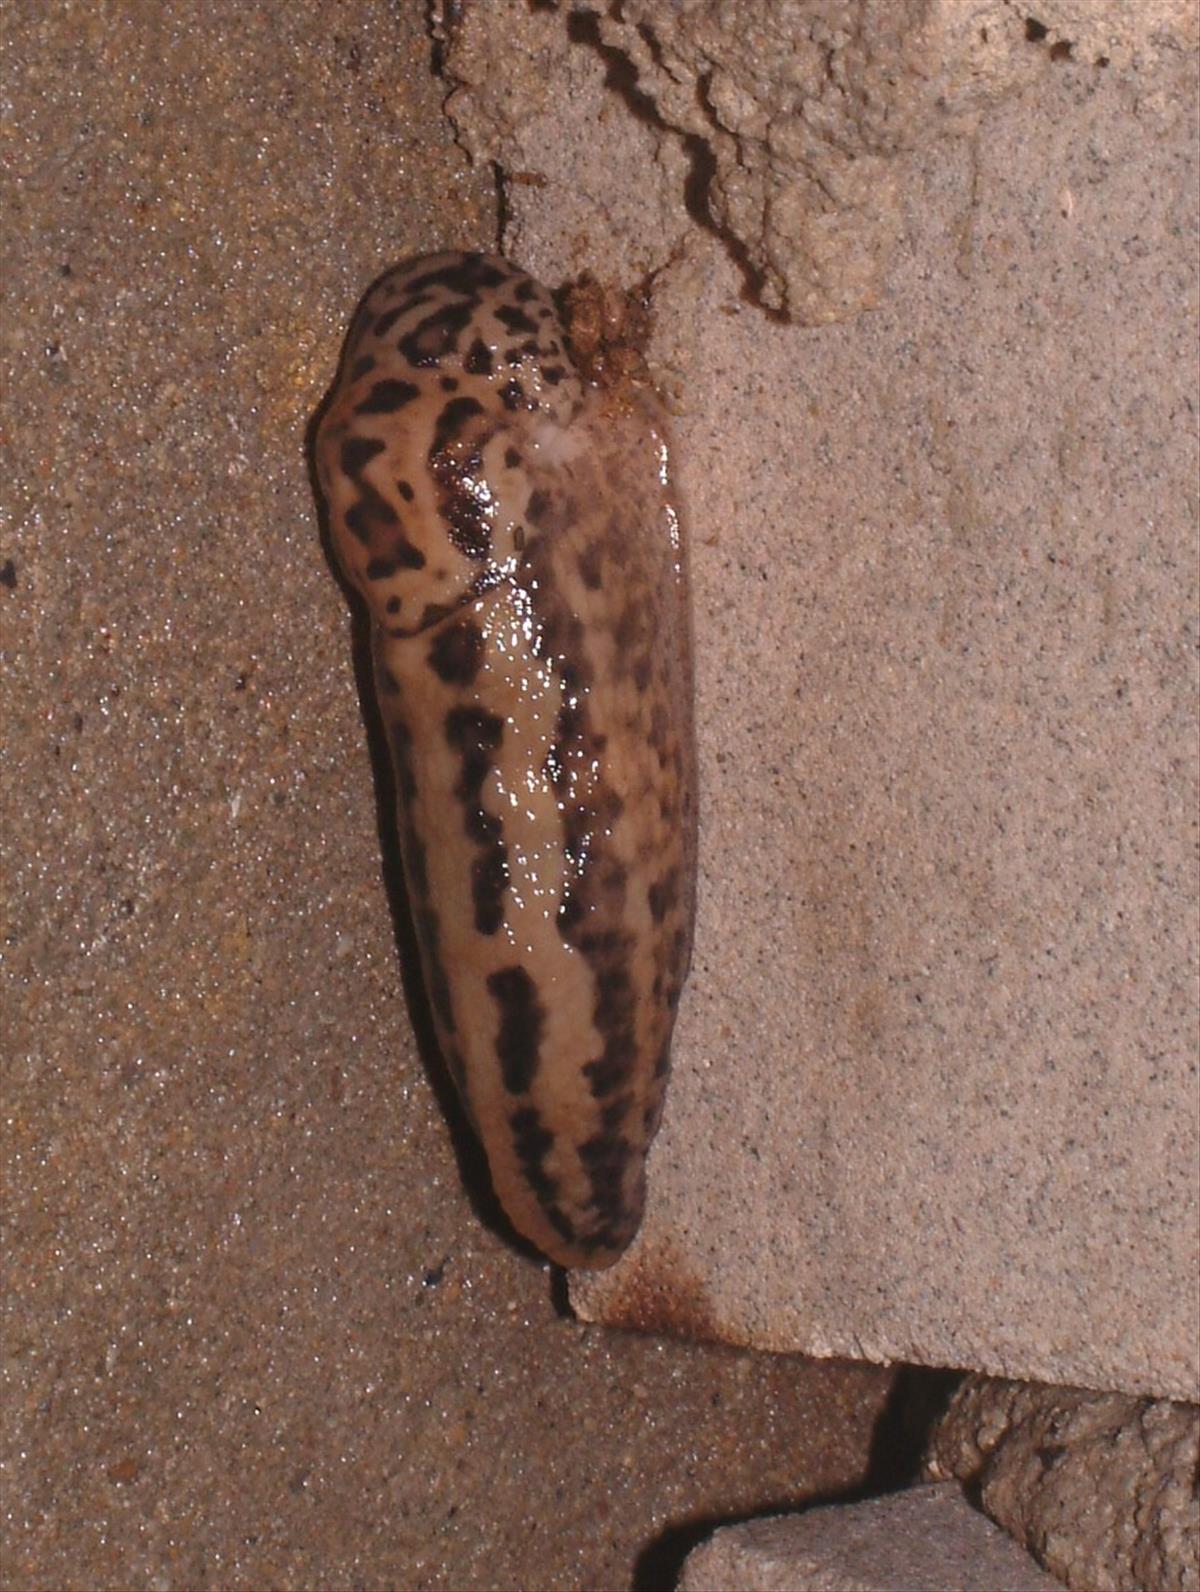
[513, 530]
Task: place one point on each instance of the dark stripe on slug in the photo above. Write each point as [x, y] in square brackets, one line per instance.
[522, 1020]
[403, 556]
[451, 421]
[437, 335]
[357, 453]
[372, 515]
[533, 1142]
[606, 1157]
[613, 1069]
[489, 881]
[425, 919]
[468, 275]
[514, 319]
[663, 894]
[400, 741]
[385, 397]
[386, 321]
[457, 652]
[476, 735]
[474, 730]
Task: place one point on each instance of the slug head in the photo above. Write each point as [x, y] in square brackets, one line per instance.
[455, 385]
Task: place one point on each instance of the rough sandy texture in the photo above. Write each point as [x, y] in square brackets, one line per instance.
[795, 120]
[935, 1073]
[256, 1335]
[926, 1540]
[1101, 1487]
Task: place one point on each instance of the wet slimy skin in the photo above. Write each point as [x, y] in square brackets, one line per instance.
[513, 531]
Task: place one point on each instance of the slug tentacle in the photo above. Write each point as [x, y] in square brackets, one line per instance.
[513, 532]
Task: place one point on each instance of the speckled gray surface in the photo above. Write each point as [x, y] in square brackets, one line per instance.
[926, 1539]
[255, 1332]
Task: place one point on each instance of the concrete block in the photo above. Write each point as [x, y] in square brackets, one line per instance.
[928, 1539]
[935, 1074]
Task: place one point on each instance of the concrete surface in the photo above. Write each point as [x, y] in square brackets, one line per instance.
[1100, 1487]
[794, 122]
[935, 1088]
[928, 1539]
[256, 1333]
[936, 1070]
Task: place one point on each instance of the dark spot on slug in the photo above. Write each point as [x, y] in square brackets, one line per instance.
[385, 397]
[464, 508]
[478, 359]
[539, 507]
[591, 562]
[613, 1069]
[474, 731]
[457, 652]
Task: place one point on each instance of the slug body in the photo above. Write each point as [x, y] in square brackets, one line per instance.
[512, 530]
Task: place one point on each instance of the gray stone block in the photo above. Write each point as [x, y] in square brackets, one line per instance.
[928, 1539]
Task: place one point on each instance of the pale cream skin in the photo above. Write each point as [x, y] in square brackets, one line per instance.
[515, 535]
